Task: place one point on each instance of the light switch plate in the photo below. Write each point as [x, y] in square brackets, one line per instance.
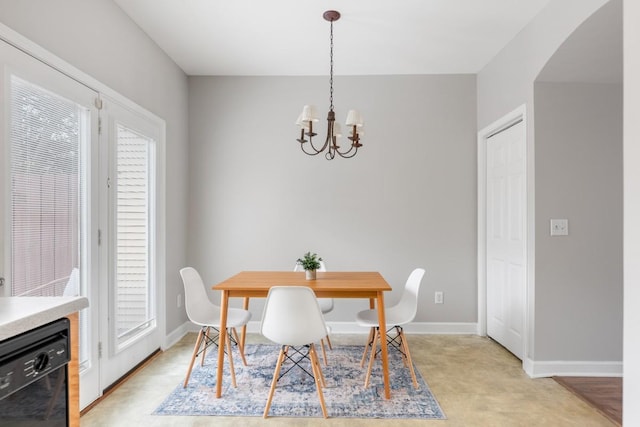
[559, 227]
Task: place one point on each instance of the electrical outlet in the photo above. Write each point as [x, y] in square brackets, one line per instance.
[439, 297]
[559, 227]
[179, 300]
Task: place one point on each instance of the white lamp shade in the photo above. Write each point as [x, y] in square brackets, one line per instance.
[301, 123]
[337, 130]
[354, 118]
[309, 114]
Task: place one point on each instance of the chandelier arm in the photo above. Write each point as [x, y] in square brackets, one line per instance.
[316, 152]
[345, 155]
[313, 147]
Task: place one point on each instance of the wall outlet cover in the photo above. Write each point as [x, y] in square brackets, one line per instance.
[559, 227]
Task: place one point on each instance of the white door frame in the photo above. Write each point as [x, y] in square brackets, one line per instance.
[519, 114]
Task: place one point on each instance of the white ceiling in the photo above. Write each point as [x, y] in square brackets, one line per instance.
[290, 37]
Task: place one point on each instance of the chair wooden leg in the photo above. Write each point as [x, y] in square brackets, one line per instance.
[405, 346]
[372, 355]
[324, 352]
[272, 389]
[318, 377]
[319, 368]
[206, 338]
[193, 356]
[329, 343]
[230, 357]
[240, 346]
[366, 347]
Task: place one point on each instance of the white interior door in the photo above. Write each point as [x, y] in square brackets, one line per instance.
[505, 234]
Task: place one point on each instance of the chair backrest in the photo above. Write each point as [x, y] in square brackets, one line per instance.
[196, 301]
[72, 288]
[292, 316]
[407, 308]
[298, 267]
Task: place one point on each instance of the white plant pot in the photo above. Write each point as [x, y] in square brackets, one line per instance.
[310, 274]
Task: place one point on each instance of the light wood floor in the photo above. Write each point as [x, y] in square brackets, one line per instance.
[476, 382]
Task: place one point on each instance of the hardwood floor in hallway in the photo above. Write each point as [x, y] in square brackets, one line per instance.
[476, 382]
[604, 393]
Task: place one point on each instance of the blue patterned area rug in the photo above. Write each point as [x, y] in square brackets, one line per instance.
[296, 395]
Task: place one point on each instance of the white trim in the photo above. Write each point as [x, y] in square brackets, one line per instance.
[177, 334]
[519, 114]
[412, 328]
[41, 54]
[574, 368]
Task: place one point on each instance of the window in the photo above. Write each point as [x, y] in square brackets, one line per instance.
[134, 299]
[47, 135]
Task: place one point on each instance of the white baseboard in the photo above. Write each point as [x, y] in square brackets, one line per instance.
[253, 327]
[542, 369]
[412, 328]
[177, 334]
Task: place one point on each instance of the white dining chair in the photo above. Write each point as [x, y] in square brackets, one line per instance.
[397, 315]
[326, 305]
[292, 319]
[206, 314]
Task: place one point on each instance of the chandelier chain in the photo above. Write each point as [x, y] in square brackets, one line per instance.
[331, 69]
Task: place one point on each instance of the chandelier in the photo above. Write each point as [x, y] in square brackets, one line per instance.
[308, 116]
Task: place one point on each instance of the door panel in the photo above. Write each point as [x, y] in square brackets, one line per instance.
[131, 331]
[49, 127]
[506, 273]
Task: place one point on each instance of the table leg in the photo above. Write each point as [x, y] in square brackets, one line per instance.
[383, 345]
[245, 305]
[224, 308]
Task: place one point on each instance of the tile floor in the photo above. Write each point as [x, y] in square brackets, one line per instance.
[476, 382]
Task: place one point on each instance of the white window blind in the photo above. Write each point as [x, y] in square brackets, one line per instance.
[46, 131]
[134, 311]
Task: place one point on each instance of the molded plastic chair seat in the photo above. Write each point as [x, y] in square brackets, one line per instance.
[206, 314]
[397, 315]
[326, 305]
[292, 319]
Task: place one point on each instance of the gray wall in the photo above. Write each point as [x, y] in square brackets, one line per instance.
[631, 394]
[408, 199]
[504, 84]
[96, 37]
[578, 160]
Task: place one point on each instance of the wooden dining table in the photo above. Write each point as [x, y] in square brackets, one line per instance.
[331, 284]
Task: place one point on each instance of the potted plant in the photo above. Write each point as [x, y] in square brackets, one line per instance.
[310, 263]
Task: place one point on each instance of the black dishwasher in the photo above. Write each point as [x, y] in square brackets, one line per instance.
[33, 377]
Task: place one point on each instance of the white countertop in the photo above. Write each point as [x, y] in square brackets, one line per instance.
[21, 314]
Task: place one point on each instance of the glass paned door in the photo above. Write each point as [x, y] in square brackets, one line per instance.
[134, 308]
[48, 141]
[47, 227]
[129, 144]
